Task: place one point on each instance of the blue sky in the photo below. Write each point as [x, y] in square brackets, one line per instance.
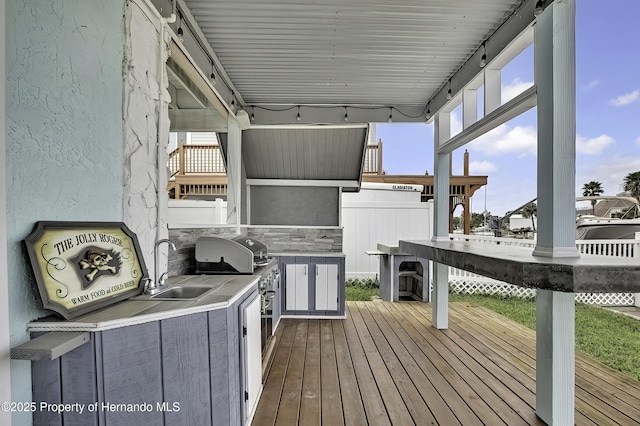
[608, 117]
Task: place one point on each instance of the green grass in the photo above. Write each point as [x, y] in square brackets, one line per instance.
[362, 289]
[609, 337]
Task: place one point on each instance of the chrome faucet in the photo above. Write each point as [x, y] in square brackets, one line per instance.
[154, 287]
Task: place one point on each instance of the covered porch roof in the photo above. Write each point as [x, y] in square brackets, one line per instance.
[355, 61]
[297, 62]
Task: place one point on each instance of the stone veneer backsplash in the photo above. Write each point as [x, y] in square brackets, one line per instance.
[277, 240]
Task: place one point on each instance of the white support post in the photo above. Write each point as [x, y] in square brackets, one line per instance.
[555, 70]
[442, 162]
[442, 133]
[440, 300]
[234, 170]
[636, 254]
[555, 357]
[555, 76]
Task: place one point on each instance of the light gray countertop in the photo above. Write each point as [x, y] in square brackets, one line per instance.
[307, 254]
[517, 265]
[226, 289]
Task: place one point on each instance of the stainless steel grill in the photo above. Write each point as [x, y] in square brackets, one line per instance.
[237, 255]
[244, 255]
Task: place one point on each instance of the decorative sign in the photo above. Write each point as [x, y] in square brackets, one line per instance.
[83, 266]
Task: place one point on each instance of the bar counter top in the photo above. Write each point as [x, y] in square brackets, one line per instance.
[226, 289]
[517, 265]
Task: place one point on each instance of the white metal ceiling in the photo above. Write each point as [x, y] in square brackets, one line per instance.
[365, 52]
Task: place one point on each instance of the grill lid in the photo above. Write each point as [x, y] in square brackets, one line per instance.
[235, 255]
[258, 249]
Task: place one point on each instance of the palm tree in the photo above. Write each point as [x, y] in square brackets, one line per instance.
[530, 210]
[632, 184]
[592, 189]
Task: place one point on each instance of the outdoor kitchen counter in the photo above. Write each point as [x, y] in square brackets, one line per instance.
[517, 265]
[142, 309]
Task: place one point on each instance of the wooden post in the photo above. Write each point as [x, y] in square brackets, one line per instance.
[441, 197]
[467, 196]
[555, 311]
[380, 156]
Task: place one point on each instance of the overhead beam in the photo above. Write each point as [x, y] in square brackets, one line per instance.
[200, 44]
[304, 182]
[516, 106]
[335, 114]
[191, 72]
[506, 37]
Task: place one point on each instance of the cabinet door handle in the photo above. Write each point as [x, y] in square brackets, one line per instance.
[305, 269]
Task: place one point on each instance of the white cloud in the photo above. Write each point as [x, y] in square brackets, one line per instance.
[626, 99]
[512, 90]
[593, 145]
[591, 85]
[481, 167]
[521, 141]
[610, 172]
[638, 140]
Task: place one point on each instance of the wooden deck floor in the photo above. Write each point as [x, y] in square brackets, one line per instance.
[385, 364]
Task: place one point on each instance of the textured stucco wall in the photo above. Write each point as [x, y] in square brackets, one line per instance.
[5, 342]
[64, 134]
[144, 102]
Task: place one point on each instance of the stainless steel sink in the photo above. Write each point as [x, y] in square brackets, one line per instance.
[184, 292]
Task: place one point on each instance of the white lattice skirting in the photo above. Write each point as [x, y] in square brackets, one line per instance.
[468, 283]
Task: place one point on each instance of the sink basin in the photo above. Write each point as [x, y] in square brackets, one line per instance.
[182, 292]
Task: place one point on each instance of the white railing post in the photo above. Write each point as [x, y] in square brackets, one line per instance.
[636, 254]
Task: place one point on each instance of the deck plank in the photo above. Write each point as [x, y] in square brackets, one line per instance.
[331, 394]
[396, 405]
[516, 400]
[272, 391]
[400, 365]
[406, 335]
[371, 397]
[352, 402]
[310, 397]
[465, 383]
[289, 407]
[412, 363]
[386, 364]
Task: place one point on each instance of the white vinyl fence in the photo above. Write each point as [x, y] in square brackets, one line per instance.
[198, 213]
[378, 215]
[468, 283]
